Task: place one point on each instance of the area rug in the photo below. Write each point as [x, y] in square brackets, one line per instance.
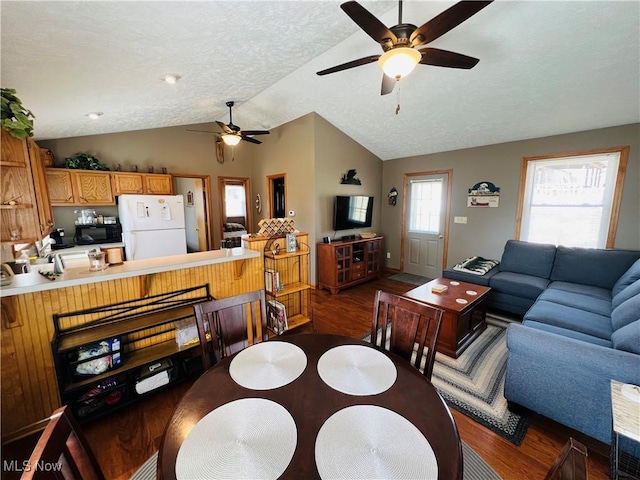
[410, 278]
[474, 467]
[473, 384]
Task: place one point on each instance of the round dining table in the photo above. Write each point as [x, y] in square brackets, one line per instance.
[341, 408]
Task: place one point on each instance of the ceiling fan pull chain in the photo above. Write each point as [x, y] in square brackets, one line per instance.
[398, 100]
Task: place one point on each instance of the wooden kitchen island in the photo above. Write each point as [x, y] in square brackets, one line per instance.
[29, 384]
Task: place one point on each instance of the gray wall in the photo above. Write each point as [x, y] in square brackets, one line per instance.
[488, 229]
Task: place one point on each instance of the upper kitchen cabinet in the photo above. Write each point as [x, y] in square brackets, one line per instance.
[60, 186]
[26, 210]
[158, 184]
[125, 182]
[79, 187]
[93, 187]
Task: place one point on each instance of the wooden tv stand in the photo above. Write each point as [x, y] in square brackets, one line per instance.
[345, 263]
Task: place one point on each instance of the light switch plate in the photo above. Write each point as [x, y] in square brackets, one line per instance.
[459, 219]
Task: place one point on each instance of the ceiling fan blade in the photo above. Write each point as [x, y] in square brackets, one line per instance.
[445, 58]
[251, 140]
[447, 20]
[388, 84]
[202, 131]
[255, 132]
[367, 22]
[351, 64]
[224, 127]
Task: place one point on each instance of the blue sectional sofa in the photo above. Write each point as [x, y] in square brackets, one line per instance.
[580, 330]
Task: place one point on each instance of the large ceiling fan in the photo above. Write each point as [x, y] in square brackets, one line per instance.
[232, 134]
[400, 41]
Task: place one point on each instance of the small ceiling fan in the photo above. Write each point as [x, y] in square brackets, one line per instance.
[400, 41]
[232, 134]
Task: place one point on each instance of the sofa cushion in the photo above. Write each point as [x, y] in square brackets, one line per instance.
[630, 291]
[625, 313]
[571, 318]
[569, 333]
[630, 276]
[590, 290]
[591, 266]
[518, 284]
[578, 300]
[627, 338]
[529, 258]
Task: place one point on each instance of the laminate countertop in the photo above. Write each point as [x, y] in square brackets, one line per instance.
[35, 282]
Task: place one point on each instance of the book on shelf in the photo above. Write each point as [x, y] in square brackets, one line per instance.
[276, 317]
[271, 280]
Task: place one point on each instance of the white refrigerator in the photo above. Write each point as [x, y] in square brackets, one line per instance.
[152, 225]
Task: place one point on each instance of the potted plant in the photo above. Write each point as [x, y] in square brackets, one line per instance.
[84, 161]
[16, 119]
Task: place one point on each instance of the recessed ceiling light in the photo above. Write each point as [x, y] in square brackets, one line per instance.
[94, 115]
[170, 78]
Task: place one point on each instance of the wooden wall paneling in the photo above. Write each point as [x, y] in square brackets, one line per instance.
[29, 387]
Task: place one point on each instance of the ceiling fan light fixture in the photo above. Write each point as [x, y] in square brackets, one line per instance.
[399, 62]
[231, 139]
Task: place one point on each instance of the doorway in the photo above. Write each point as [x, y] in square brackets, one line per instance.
[197, 208]
[425, 225]
[235, 214]
[277, 195]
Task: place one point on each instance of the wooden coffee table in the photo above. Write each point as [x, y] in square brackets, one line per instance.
[464, 312]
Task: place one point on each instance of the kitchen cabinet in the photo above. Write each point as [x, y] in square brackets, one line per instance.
[60, 186]
[79, 187]
[157, 184]
[93, 187]
[127, 183]
[25, 207]
[345, 263]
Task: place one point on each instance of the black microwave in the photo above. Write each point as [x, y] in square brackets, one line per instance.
[93, 234]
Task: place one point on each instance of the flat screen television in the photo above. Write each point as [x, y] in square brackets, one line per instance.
[353, 211]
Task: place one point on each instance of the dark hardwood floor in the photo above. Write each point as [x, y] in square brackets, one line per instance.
[125, 439]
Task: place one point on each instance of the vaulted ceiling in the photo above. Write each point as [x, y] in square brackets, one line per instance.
[546, 67]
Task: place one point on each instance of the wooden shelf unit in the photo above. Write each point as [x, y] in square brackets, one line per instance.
[146, 332]
[345, 263]
[293, 270]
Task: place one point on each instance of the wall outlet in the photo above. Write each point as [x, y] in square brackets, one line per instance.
[459, 219]
[388, 254]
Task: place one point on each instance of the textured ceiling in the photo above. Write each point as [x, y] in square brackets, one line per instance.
[546, 67]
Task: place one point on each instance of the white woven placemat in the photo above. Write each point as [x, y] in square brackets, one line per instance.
[268, 365]
[357, 370]
[367, 441]
[247, 438]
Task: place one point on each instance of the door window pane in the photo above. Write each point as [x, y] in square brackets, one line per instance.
[569, 200]
[425, 206]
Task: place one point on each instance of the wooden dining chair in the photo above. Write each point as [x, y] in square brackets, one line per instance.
[408, 323]
[571, 463]
[227, 325]
[62, 452]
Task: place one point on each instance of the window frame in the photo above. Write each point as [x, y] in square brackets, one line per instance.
[623, 151]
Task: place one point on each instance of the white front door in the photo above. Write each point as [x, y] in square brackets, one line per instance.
[424, 224]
